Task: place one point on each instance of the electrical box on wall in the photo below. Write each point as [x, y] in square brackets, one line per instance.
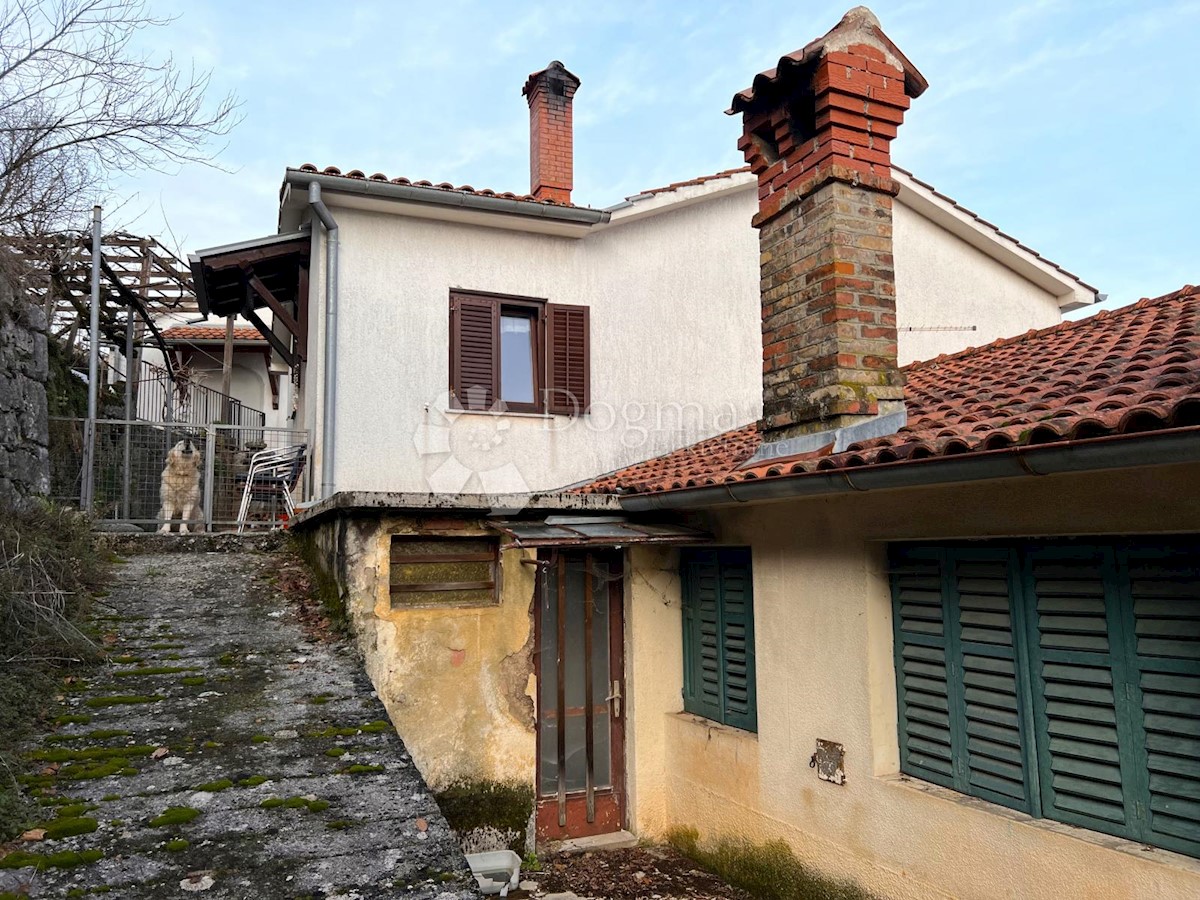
[830, 761]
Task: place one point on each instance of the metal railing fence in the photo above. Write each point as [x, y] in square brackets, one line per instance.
[158, 399]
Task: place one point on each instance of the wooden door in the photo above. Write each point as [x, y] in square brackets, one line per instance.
[581, 715]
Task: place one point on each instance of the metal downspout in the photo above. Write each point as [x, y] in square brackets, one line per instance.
[329, 394]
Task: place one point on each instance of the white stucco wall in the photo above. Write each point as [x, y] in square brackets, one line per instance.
[826, 669]
[954, 296]
[674, 337]
[675, 324]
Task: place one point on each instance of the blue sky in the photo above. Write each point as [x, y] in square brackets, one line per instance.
[1074, 126]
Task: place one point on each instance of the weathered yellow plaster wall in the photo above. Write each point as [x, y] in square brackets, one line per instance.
[457, 683]
[825, 670]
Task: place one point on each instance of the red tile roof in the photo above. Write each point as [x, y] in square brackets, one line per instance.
[702, 179]
[1135, 369]
[209, 333]
[359, 175]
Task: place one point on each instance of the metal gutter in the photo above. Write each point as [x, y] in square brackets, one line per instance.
[321, 211]
[445, 197]
[1112, 452]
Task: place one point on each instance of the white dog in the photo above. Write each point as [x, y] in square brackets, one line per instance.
[179, 488]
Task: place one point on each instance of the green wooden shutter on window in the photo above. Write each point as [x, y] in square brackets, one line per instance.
[740, 708]
[995, 703]
[701, 624]
[927, 740]
[1088, 774]
[963, 700]
[718, 611]
[1163, 590]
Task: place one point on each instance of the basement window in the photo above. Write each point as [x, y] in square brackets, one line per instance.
[450, 572]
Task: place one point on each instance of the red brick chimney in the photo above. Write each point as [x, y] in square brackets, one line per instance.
[551, 162]
[817, 132]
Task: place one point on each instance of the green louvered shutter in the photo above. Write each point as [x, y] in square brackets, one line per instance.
[718, 637]
[701, 625]
[998, 758]
[1087, 771]
[963, 700]
[1164, 593]
[927, 739]
[740, 708]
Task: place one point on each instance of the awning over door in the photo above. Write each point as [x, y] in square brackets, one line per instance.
[581, 531]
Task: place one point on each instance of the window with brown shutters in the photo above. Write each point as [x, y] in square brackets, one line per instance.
[568, 362]
[516, 354]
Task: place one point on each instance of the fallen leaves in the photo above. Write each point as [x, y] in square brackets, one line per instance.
[33, 834]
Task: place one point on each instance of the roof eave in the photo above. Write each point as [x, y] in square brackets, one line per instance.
[578, 217]
[1180, 445]
[1070, 290]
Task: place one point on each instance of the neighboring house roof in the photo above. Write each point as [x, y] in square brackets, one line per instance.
[359, 175]
[1129, 371]
[1073, 291]
[185, 333]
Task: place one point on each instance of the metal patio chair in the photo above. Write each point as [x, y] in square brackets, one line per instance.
[273, 476]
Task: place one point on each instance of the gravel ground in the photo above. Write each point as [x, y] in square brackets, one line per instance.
[227, 750]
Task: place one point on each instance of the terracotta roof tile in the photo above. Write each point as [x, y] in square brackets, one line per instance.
[1135, 369]
[701, 179]
[359, 175]
[209, 333]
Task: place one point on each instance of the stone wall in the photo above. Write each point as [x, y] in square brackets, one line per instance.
[24, 371]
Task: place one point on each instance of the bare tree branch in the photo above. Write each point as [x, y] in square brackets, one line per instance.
[79, 104]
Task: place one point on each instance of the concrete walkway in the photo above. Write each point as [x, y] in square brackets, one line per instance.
[226, 753]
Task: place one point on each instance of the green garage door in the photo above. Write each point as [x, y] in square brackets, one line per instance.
[1058, 678]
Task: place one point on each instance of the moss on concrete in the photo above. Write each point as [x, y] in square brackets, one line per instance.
[60, 754]
[504, 806]
[177, 845]
[254, 781]
[174, 815]
[193, 680]
[359, 769]
[20, 859]
[69, 827]
[213, 787]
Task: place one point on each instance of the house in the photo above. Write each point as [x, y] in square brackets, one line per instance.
[254, 382]
[931, 623]
[497, 343]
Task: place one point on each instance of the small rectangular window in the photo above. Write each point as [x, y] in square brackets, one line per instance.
[429, 572]
[518, 372]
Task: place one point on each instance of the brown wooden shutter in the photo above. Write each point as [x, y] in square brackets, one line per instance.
[568, 362]
[474, 360]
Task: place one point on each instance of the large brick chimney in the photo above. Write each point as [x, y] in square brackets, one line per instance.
[550, 93]
[817, 132]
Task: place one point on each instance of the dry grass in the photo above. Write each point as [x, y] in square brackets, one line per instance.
[50, 568]
[767, 871]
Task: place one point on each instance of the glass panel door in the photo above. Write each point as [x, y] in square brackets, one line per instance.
[579, 694]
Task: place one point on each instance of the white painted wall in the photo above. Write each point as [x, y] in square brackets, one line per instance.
[953, 295]
[672, 285]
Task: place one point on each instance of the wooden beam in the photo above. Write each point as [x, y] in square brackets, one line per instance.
[276, 307]
[302, 312]
[227, 370]
[273, 339]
